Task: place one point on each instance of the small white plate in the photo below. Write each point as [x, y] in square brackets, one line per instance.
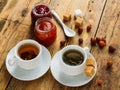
[72, 81]
[28, 75]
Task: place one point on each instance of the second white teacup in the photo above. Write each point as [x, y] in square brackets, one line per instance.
[27, 54]
[72, 59]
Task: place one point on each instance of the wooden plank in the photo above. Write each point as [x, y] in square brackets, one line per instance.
[11, 34]
[110, 28]
[19, 10]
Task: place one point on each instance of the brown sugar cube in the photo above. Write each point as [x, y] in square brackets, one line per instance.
[78, 22]
[89, 71]
[90, 62]
[67, 17]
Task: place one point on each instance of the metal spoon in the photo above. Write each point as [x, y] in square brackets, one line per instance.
[68, 32]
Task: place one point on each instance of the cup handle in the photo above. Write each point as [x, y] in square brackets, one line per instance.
[86, 49]
[12, 62]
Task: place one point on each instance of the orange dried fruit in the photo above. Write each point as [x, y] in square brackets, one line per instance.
[99, 82]
[101, 43]
[109, 64]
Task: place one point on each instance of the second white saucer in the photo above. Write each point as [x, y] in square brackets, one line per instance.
[27, 75]
[72, 81]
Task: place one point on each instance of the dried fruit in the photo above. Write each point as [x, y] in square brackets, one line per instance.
[62, 43]
[97, 39]
[89, 28]
[102, 43]
[93, 41]
[80, 30]
[103, 39]
[111, 49]
[80, 41]
[109, 64]
[99, 82]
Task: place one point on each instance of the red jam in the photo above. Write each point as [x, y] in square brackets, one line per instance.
[45, 32]
[40, 11]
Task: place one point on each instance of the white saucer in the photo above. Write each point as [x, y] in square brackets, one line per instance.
[72, 81]
[27, 75]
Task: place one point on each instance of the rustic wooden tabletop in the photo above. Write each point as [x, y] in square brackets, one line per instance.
[103, 15]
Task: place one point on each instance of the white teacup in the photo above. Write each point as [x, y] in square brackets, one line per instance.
[18, 59]
[73, 69]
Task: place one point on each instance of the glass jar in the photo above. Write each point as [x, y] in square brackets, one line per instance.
[40, 10]
[45, 31]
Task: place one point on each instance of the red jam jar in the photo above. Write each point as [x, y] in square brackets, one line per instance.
[45, 31]
[40, 10]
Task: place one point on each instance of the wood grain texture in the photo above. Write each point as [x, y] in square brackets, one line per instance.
[103, 15]
[109, 28]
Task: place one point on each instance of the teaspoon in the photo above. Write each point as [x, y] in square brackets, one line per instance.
[68, 32]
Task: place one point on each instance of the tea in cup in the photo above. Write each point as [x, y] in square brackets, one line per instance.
[27, 54]
[72, 59]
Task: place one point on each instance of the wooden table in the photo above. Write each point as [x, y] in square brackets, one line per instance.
[103, 15]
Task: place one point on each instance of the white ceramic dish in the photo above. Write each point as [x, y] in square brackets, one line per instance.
[67, 80]
[28, 75]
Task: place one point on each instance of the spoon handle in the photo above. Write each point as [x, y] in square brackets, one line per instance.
[57, 18]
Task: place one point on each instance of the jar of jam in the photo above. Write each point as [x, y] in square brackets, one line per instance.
[40, 10]
[45, 31]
